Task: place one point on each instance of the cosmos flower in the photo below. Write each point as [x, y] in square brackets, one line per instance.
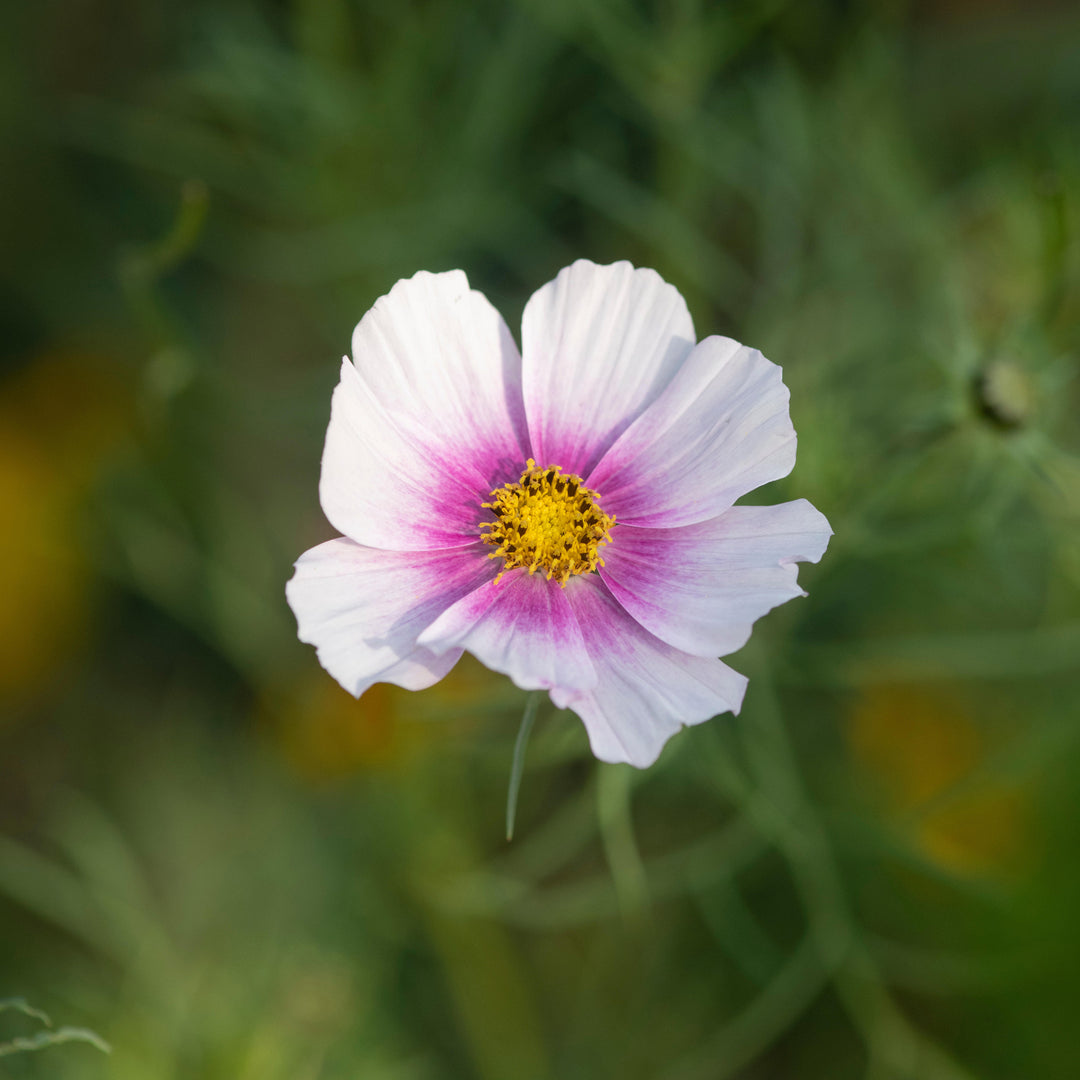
[566, 513]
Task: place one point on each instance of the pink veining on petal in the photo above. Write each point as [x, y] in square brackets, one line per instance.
[441, 361]
[522, 626]
[426, 421]
[646, 690]
[701, 587]
[599, 344]
[363, 608]
[719, 430]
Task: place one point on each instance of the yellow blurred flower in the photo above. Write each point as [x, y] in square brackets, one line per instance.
[982, 831]
[58, 418]
[42, 573]
[921, 750]
[326, 734]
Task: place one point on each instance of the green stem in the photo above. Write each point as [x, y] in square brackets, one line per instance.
[518, 765]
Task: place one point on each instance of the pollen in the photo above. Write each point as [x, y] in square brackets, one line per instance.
[547, 521]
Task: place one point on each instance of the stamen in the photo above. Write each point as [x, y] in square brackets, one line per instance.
[547, 521]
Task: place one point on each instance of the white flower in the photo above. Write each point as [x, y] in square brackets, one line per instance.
[565, 513]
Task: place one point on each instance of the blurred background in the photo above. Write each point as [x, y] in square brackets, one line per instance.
[217, 860]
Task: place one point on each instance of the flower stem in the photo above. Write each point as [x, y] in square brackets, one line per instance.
[517, 767]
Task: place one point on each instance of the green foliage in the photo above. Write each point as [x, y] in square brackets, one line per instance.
[230, 871]
[22, 1044]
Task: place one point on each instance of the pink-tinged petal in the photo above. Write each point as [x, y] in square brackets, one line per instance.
[701, 587]
[426, 421]
[719, 430]
[522, 626]
[646, 690]
[599, 344]
[363, 608]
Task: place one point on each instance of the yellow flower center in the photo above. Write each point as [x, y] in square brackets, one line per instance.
[547, 522]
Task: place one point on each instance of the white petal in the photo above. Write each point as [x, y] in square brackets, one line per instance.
[701, 587]
[523, 627]
[426, 421]
[599, 344]
[646, 690]
[720, 430]
[362, 608]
